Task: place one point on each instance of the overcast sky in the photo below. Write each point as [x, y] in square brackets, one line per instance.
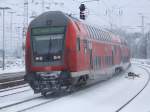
[119, 13]
[130, 16]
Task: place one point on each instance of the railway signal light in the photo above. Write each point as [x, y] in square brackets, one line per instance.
[82, 11]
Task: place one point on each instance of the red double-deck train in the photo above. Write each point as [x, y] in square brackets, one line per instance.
[63, 52]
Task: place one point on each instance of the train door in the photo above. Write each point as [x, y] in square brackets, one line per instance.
[113, 57]
[120, 54]
[92, 72]
[90, 51]
[91, 61]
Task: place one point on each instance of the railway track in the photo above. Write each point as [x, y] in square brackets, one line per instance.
[40, 104]
[35, 101]
[146, 84]
[29, 103]
[11, 83]
[13, 88]
[32, 103]
[17, 103]
[11, 80]
[15, 91]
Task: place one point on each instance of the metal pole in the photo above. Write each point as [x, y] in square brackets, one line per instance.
[143, 25]
[19, 42]
[3, 40]
[11, 27]
[27, 12]
[43, 5]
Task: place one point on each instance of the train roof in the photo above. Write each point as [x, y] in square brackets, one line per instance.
[114, 38]
[58, 18]
[50, 18]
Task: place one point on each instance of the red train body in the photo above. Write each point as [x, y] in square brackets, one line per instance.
[62, 52]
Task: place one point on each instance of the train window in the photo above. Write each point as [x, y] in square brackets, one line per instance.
[85, 45]
[110, 60]
[77, 26]
[93, 32]
[105, 60]
[78, 44]
[94, 62]
[99, 61]
[89, 31]
[43, 45]
[102, 35]
[97, 34]
[110, 36]
[107, 36]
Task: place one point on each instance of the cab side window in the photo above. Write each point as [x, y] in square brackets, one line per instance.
[78, 44]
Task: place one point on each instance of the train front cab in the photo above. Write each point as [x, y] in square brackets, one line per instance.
[50, 52]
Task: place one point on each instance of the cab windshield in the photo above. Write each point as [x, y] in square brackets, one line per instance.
[47, 45]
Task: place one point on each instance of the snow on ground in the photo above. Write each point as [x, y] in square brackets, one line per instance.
[142, 102]
[12, 65]
[141, 61]
[107, 96]
[8, 100]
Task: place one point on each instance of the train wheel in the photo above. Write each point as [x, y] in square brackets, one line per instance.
[117, 71]
[70, 89]
[44, 94]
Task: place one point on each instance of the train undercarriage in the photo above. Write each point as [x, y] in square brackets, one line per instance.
[58, 82]
[54, 82]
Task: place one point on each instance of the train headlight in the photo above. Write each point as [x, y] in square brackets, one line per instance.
[37, 58]
[56, 57]
[40, 58]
